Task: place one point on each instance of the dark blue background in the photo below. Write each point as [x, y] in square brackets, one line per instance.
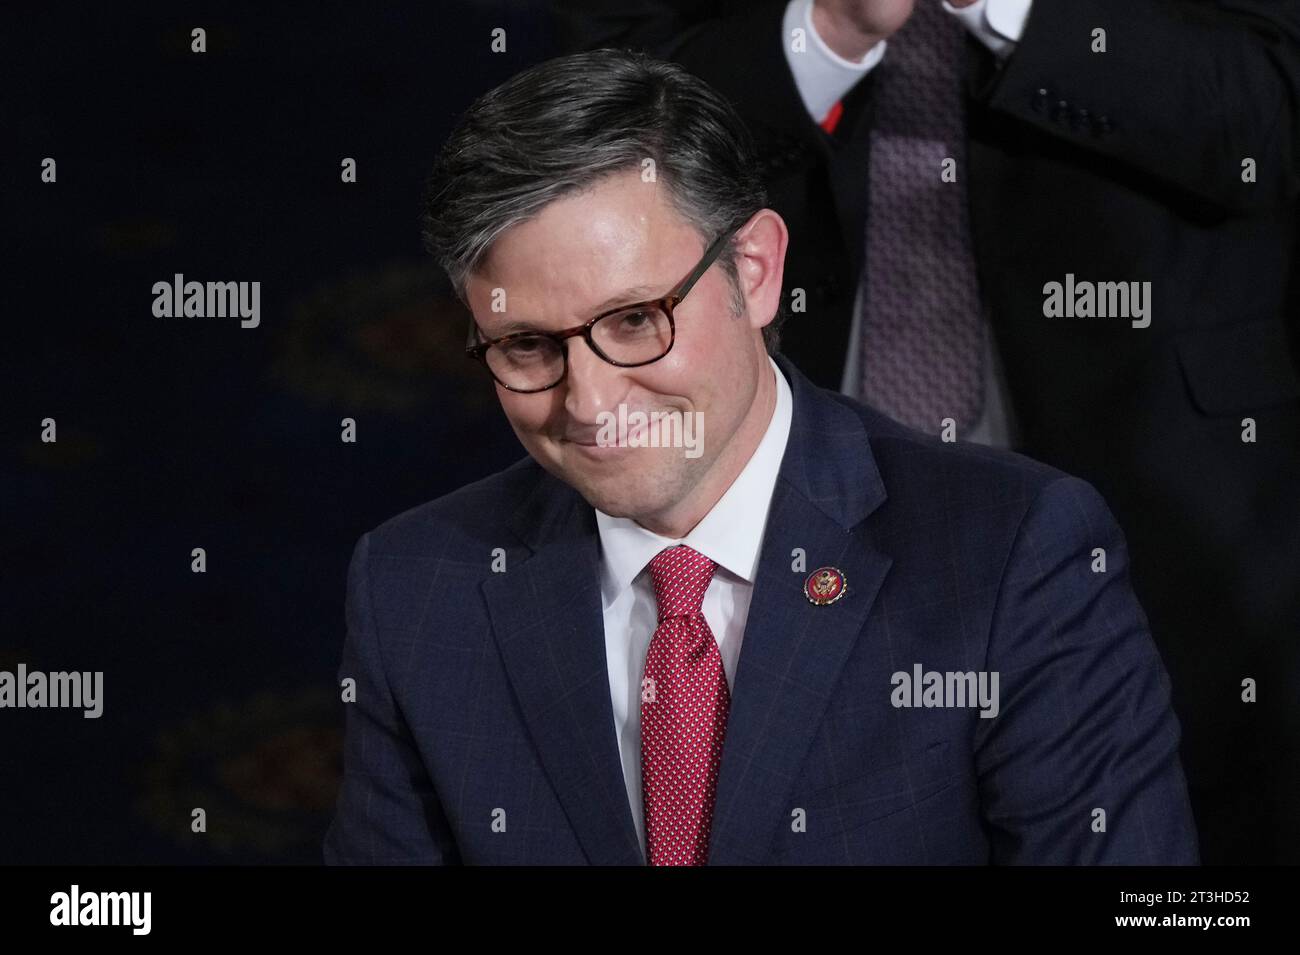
[175, 433]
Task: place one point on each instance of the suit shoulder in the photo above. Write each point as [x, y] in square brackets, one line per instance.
[475, 512]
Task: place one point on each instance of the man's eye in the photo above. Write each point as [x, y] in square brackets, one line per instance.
[522, 349]
[636, 321]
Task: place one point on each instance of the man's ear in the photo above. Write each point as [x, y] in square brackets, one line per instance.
[760, 264]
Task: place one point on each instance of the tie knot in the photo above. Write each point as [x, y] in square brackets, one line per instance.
[680, 576]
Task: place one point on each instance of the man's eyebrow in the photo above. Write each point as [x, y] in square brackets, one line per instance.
[509, 328]
[626, 297]
[638, 293]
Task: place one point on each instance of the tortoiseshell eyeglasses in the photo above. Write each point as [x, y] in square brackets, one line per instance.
[627, 336]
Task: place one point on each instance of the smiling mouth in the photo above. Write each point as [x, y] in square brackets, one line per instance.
[594, 448]
[600, 448]
[633, 433]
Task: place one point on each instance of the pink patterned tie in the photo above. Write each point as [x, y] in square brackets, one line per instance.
[922, 331]
[684, 704]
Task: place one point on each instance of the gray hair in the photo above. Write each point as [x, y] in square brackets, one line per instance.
[561, 125]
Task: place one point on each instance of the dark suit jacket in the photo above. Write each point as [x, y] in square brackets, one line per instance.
[481, 692]
[1116, 166]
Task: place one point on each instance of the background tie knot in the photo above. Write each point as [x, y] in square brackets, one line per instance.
[681, 576]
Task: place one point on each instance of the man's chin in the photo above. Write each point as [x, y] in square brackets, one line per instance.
[640, 485]
[615, 498]
[619, 505]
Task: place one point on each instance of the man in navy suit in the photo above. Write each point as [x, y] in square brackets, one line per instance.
[718, 614]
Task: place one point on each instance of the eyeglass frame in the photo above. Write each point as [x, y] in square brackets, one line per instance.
[667, 303]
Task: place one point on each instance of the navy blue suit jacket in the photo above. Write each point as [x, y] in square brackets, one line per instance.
[482, 730]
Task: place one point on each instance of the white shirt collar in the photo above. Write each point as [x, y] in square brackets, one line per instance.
[728, 534]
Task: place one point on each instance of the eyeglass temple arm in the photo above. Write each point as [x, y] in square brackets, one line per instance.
[710, 254]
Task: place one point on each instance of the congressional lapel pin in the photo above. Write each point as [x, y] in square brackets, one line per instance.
[825, 585]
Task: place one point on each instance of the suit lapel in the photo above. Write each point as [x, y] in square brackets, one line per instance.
[793, 651]
[547, 620]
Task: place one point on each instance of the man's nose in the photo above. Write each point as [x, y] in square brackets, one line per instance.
[592, 384]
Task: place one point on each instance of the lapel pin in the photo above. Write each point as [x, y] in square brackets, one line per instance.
[825, 585]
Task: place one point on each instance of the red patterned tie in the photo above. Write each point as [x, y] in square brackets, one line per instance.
[684, 704]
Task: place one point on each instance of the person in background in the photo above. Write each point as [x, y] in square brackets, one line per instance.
[943, 166]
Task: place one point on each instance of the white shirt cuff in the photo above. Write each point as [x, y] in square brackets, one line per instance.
[820, 74]
[998, 24]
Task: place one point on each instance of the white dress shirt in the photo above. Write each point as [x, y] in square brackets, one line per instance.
[822, 78]
[731, 535]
